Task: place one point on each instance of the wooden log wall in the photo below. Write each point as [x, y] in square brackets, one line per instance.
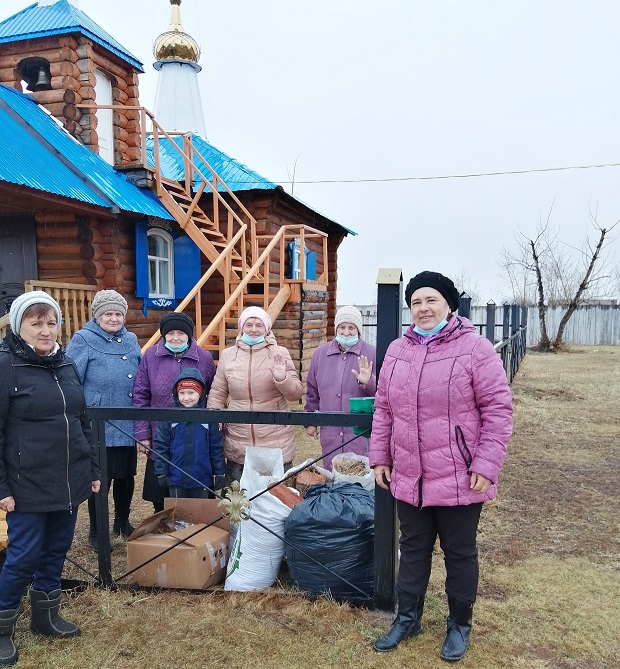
[108, 249]
[333, 242]
[73, 60]
[301, 327]
[317, 309]
[58, 248]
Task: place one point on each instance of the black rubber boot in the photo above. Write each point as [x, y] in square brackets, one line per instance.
[8, 652]
[123, 527]
[458, 630]
[92, 539]
[408, 623]
[122, 491]
[45, 618]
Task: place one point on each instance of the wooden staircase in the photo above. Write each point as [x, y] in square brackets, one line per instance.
[232, 246]
[197, 224]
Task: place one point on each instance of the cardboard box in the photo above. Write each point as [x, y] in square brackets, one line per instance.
[196, 562]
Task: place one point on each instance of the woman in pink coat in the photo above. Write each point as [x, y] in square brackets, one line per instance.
[443, 417]
[255, 374]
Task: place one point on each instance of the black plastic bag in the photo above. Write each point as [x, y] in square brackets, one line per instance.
[334, 525]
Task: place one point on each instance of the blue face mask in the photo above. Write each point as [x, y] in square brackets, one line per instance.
[177, 349]
[426, 333]
[347, 342]
[252, 341]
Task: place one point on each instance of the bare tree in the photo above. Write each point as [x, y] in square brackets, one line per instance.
[515, 266]
[464, 283]
[592, 257]
[560, 274]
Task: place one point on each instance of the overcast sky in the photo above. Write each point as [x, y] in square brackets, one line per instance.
[355, 90]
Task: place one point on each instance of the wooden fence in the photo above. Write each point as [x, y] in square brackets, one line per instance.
[590, 325]
[74, 300]
[505, 326]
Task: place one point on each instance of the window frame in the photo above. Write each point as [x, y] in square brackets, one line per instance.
[167, 237]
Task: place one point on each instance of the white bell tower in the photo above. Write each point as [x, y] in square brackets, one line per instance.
[178, 106]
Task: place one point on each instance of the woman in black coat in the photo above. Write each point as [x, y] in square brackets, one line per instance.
[47, 466]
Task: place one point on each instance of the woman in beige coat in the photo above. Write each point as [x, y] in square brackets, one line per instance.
[255, 375]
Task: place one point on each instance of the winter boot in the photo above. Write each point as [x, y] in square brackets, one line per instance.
[458, 630]
[123, 527]
[8, 652]
[92, 539]
[45, 618]
[408, 622]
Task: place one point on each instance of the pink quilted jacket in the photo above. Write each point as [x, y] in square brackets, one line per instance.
[244, 381]
[442, 411]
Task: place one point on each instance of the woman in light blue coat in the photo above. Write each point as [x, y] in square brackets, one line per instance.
[107, 358]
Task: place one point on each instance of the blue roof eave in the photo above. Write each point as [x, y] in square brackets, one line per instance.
[124, 55]
[40, 154]
[61, 18]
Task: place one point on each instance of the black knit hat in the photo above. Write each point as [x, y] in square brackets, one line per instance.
[437, 281]
[176, 321]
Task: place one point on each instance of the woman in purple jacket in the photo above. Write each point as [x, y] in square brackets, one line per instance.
[158, 370]
[341, 369]
[443, 417]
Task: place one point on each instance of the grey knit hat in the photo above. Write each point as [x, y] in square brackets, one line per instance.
[108, 300]
[349, 314]
[21, 303]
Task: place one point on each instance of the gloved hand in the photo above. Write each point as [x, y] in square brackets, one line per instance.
[164, 481]
[218, 483]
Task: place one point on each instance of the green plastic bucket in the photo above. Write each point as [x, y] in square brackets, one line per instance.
[361, 405]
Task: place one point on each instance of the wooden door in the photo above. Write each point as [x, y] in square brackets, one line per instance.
[18, 257]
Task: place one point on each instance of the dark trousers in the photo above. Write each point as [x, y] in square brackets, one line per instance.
[456, 527]
[199, 493]
[38, 545]
[151, 490]
[122, 493]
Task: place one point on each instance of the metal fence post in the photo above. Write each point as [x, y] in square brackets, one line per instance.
[465, 305]
[389, 327]
[101, 507]
[505, 335]
[514, 328]
[524, 333]
[490, 326]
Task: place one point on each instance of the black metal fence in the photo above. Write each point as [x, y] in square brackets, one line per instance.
[389, 326]
[513, 340]
[100, 416]
[507, 333]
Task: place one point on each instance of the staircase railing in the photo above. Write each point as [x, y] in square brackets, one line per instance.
[272, 300]
[233, 248]
[182, 201]
[195, 293]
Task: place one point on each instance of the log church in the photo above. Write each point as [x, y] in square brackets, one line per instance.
[98, 192]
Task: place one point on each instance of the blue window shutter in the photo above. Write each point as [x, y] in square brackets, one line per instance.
[142, 261]
[186, 266]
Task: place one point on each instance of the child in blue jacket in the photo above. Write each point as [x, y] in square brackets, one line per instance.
[197, 448]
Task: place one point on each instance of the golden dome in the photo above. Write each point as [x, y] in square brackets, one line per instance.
[175, 43]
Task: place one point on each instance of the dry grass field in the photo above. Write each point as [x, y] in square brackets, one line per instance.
[550, 565]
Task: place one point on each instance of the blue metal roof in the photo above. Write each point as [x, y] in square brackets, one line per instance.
[61, 18]
[234, 174]
[38, 153]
